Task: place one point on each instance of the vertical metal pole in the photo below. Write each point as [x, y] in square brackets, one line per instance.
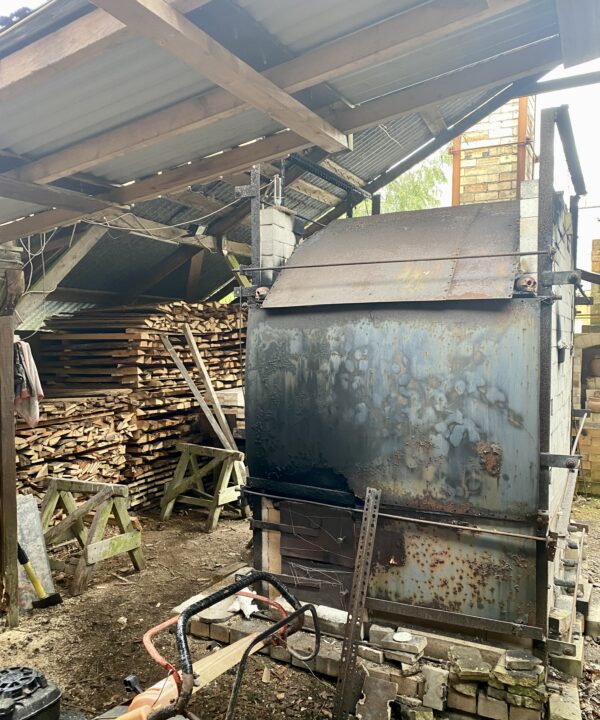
[545, 239]
[348, 685]
[349, 205]
[8, 478]
[255, 220]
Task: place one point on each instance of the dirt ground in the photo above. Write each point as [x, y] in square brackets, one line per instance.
[90, 643]
[588, 511]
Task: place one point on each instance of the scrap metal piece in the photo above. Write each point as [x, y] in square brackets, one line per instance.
[348, 685]
[377, 695]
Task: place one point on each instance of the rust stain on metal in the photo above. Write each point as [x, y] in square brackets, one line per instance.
[490, 458]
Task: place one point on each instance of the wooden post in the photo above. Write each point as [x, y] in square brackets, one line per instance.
[8, 475]
[522, 142]
[456, 153]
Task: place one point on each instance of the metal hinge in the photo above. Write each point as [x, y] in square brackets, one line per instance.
[566, 277]
[570, 462]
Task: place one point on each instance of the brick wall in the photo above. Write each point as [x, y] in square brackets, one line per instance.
[489, 155]
[587, 387]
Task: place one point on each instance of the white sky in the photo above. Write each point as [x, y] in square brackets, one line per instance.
[583, 105]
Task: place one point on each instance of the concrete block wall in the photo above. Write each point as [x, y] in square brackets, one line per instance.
[277, 240]
[562, 334]
[489, 155]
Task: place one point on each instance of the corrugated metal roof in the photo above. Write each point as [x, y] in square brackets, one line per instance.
[136, 77]
[49, 309]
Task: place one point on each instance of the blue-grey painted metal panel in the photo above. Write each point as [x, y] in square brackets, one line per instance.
[434, 405]
[437, 407]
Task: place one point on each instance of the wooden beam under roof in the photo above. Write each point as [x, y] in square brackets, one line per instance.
[58, 271]
[539, 56]
[526, 62]
[68, 47]
[49, 195]
[171, 31]
[388, 39]
[434, 120]
[579, 24]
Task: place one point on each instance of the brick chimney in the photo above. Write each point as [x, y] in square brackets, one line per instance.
[492, 159]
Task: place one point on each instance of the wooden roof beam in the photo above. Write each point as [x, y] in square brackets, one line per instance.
[49, 195]
[58, 271]
[525, 62]
[171, 31]
[67, 47]
[384, 41]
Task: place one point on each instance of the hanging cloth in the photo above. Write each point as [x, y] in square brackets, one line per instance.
[28, 388]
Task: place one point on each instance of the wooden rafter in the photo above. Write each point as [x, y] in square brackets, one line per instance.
[49, 195]
[59, 269]
[67, 47]
[525, 62]
[384, 41]
[170, 30]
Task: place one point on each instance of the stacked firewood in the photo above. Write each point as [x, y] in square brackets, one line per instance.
[81, 438]
[121, 349]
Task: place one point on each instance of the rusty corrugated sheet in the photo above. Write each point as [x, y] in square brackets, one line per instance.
[412, 239]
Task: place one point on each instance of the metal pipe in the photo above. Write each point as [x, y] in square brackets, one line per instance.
[248, 268]
[418, 521]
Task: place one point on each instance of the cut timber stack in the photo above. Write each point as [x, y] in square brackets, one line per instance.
[81, 438]
[121, 347]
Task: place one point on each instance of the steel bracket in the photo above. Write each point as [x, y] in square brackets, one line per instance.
[570, 462]
[245, 291]
[245, 191]
[566, 277]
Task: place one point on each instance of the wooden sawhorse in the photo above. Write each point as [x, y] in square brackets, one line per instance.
[196, 464]
[105, 500]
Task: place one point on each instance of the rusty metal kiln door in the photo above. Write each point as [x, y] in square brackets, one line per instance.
[436, 405]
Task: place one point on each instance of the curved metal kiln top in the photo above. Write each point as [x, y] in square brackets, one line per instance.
[413, 239]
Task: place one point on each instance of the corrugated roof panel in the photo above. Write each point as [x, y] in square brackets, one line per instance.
[303, 25]
[49, 309]
[535, 21]
[189, 146]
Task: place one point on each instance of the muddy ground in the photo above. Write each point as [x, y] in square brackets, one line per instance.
[90, 643]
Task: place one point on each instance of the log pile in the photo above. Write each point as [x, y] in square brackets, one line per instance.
[80, 438]
[109, 349]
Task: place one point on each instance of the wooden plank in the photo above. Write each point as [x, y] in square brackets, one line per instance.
[59, 269]
[206, 451]
[49, 195]
[8, 483]
[83, 572]
[208, 386]
[82, 510]
[434, 120]
[171, 31]
[579, 24]
[126, 526]
[195, 392]
[389, 38]
[116, 545]
[89, 487]
[194, 276]
[66, 48]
